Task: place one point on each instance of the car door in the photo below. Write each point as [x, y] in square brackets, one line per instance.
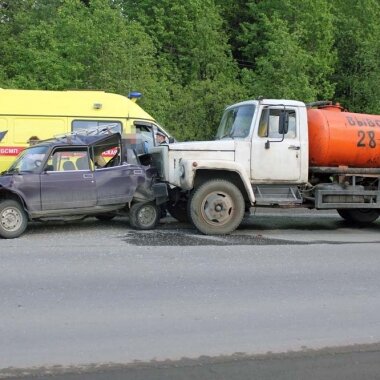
[65, 184]
[116, 185]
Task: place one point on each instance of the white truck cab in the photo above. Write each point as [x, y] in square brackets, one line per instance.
[259, 156]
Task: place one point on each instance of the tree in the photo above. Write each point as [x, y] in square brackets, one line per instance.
[193, 55]
[66, 44]
[290, 44]
[235, 13]
[358, 45]
[189, 37]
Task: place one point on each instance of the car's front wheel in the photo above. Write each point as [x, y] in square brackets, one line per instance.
[144, 215]
[13, 219]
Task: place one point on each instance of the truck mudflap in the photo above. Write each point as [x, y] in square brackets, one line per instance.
[160, 192]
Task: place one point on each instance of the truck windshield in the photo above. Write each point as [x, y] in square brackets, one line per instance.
[29, 159]
[236, 122]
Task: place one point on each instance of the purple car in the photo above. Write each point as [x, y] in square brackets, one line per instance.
[76, 176]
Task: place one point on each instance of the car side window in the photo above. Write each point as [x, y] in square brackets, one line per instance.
[68, 160]
[106, 154]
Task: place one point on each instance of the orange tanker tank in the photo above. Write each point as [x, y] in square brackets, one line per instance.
[339, 138]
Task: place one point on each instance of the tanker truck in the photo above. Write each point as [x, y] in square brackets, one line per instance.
[275, 153]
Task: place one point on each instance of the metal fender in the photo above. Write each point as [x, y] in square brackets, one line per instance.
[14, 195]
[188, 169]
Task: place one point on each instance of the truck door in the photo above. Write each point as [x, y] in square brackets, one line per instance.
[275, 154]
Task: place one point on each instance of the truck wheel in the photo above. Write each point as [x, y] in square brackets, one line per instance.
[178, 211]
[216, 207]
[144, 215]
[359, 215]
[13, 219]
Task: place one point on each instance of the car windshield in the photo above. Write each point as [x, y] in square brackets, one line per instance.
[29, 159]
[236, 122]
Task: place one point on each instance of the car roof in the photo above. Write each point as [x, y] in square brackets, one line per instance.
[78, 139]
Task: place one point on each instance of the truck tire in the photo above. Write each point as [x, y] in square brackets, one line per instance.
[359, 215]
[13, 219]
[216, 207]
[144, 215]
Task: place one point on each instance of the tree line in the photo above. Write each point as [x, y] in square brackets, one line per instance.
[192, 58]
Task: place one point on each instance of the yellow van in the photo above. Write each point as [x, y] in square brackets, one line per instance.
[27, 114]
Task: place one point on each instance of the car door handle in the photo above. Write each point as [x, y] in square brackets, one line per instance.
[294, 147]
[88, 176]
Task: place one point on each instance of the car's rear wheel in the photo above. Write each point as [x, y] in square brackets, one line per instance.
[13, 219]
[144, 215]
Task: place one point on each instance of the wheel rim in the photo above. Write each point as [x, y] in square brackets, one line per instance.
[217, 208]
[146, 215]
[11, 219]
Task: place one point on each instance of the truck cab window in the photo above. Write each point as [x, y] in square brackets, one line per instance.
[269, 123]
[236, 122]
[145, 134]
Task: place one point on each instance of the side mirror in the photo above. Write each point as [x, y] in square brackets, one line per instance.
[171, 140]
[283, 125]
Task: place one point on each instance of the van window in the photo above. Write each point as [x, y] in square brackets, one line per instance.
[88, 124]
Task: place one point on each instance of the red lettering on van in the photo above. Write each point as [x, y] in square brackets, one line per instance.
[10, 150]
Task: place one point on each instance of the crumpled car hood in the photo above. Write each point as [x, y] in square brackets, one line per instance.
[6, 181]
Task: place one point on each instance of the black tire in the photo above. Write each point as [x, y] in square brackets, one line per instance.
[144, 215]
[105, 217]
[178, 211]
[216, 207]
[13, 219]
[359, 215]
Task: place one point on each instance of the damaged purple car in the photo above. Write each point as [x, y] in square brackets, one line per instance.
[76, 176]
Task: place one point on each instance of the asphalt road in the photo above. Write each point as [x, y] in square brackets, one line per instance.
[350, 363]
[98, 297]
